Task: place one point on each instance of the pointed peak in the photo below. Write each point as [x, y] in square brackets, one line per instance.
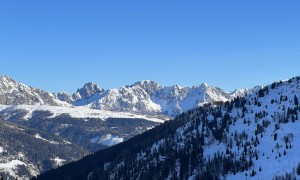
[148, 85]
[7, 81]
[146, 82]
[89, 89]
[6, 78]
[178, 86]
[64, 96]
[204, 84]
[91, 85]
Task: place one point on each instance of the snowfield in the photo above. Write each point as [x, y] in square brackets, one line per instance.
[78, 112]
[58, 161]
[39, 137]
[10, 167]
[108, 140]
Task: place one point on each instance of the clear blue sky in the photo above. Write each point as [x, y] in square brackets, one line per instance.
[61, 44]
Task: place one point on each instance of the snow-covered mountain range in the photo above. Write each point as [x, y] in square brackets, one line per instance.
[144, 97]
[255, 136]
[149, 97]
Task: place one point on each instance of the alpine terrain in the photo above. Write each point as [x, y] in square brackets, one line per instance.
[254, 136]
[41, 130]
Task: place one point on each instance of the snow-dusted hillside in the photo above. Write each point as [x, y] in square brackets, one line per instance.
[244, 92]
[251, 137]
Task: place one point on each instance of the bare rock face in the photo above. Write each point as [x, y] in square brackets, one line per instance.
[87, 91]
[149, 86]
[63, 96]
[14, 93]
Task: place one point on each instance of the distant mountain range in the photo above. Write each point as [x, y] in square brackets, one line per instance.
[148, 97]
[144, 97]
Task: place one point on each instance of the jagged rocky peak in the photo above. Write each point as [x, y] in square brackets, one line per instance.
[7, 82]
[15, 93]
[5, 78]
[64, 96]
[148, 85]
[204, 84]
[89, 89]
[175, 92]
[209, 87]
[213, 93]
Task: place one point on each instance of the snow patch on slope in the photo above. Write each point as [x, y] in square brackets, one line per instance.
[78, 112]
[108, 140]
[58, 161]
[11, 167]
[37, 136]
